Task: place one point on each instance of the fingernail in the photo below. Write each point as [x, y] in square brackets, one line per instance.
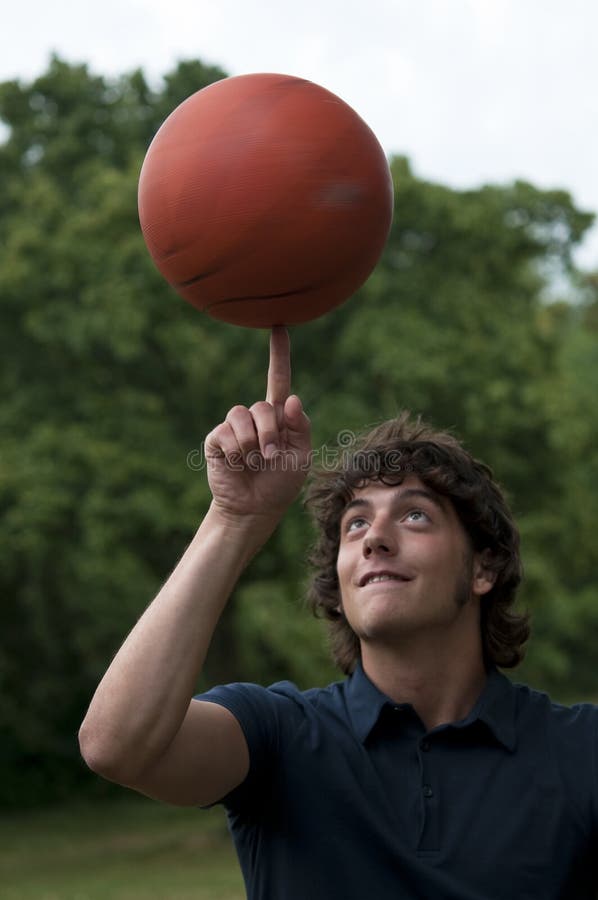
[270, 450]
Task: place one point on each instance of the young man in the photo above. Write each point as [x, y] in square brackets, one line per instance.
[426, 773]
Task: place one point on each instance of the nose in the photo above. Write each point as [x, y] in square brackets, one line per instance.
[379, 539]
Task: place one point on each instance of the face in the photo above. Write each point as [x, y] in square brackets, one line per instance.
[405, 564]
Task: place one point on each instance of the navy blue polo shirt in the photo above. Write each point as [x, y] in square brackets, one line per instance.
[349, 797]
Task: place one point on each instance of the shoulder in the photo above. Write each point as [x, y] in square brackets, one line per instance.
[540, 700]
[281, 724]
[278, 707]
[537, 708]
[560, 743]
[281, 692]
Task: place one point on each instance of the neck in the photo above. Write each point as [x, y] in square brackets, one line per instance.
[441, 682]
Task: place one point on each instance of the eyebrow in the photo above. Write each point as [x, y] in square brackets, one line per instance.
[363, 502]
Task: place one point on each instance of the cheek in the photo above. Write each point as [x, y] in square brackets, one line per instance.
[453, 564]
[345, 565]
[342, 575]
[341, 566]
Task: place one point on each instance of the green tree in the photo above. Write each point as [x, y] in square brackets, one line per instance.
[110, 382]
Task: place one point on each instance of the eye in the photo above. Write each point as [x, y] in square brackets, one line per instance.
[418, 515]
[355, 523]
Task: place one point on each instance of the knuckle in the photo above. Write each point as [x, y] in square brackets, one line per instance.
[236, 412]
[216, 435]
[261, 407]
[218, 439]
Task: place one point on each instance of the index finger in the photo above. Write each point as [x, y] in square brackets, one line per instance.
[279, 370]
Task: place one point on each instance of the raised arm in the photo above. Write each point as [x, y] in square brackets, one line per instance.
[143, 729]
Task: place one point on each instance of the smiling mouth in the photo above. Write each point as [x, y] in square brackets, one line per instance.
[376, 579]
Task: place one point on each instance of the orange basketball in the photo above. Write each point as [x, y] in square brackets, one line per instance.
[265, 200]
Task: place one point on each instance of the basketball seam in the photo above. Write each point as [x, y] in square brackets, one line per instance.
[301, 290]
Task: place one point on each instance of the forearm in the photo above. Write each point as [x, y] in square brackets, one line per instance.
[142, 700]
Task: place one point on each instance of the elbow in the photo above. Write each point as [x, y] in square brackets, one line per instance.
[99, 755]
[94, 756]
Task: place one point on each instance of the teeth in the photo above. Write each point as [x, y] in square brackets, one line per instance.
[376, 578]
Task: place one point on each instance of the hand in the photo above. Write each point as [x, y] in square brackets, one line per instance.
[258, 458]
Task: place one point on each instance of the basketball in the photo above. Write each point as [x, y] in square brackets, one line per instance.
[265, 200]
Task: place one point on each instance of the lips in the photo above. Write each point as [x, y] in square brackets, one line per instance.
[379, 576]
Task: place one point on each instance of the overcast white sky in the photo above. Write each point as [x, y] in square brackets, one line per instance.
[471, 90]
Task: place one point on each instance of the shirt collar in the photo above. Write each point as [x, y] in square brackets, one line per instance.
[365, 702]
[496, 706]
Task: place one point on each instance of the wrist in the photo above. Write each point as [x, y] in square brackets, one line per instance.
[243, 530]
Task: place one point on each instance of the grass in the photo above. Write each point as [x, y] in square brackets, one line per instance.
[131, 850]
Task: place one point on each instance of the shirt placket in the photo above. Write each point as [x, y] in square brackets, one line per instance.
[429, 787]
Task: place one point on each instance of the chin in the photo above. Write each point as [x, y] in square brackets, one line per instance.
[384, 629]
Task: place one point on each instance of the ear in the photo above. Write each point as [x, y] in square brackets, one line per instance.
[483, 577]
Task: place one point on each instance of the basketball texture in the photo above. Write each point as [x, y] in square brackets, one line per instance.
[265, 199]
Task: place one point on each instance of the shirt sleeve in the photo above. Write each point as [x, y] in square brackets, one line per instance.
[268, 717]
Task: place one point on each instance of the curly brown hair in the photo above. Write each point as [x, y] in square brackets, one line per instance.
[388, 453]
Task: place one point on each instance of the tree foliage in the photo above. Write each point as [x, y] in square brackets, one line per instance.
[110, 382]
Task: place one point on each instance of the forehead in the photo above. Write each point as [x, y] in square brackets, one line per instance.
[375, 493]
